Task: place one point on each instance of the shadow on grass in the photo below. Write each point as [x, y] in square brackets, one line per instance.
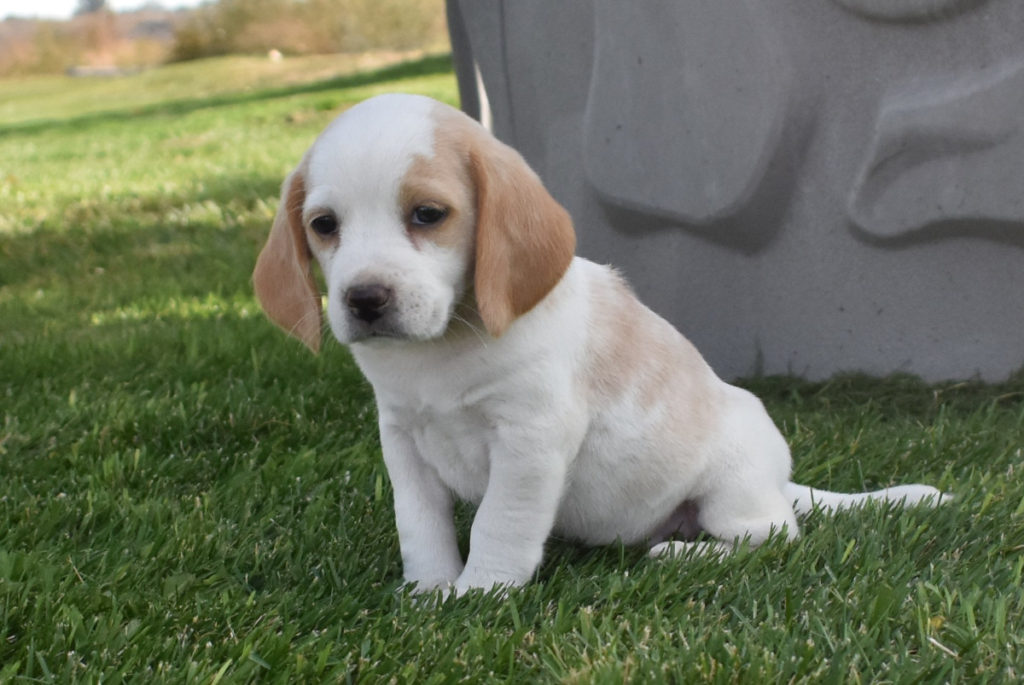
[132, 232]
[427, 66]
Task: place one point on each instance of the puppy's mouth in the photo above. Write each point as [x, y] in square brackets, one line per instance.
[384, 334]
[358, 331]
[384, 329]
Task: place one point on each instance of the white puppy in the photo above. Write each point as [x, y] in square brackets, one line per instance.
[508, 372]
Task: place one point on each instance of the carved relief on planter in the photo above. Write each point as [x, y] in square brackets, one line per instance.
[908, 10]
[943, 153]
[700, 87]
[801, 186]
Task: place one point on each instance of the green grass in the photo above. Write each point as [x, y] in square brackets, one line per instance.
[187, 496]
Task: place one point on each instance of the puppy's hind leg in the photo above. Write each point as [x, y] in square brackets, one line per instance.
[736, 517]
[745, 501]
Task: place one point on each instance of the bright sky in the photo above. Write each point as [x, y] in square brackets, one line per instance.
[62, 9]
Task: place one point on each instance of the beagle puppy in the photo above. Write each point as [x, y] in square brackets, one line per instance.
[507, 371]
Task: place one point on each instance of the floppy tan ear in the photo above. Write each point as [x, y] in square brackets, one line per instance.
[524, 238]
[283, 277]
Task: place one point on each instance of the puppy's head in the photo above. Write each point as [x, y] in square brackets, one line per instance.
[412, 209]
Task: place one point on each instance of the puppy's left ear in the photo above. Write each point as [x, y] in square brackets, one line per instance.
[283, 277]
[524, 238]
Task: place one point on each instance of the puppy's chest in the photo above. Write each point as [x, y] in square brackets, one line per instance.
[454, 441]
[452, 404]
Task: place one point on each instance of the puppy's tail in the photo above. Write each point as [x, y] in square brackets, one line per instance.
[805, 498]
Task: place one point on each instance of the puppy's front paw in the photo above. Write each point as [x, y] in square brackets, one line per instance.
[500, 590]
[435, 595]
[711, 549]
[424, 587]
[428, 598]
[485, 582]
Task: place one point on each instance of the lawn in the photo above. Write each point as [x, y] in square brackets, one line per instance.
[188, 496]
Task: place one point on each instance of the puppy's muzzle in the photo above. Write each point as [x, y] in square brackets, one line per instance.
[368, 302]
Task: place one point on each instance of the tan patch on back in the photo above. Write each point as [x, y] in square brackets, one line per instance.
[637, 354]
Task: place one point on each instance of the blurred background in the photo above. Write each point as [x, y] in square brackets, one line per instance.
[112, 36]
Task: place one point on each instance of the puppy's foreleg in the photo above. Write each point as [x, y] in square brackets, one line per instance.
[515, 518]
[423, 514]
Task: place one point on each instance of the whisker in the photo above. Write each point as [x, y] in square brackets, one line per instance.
[324, 324]
[301, 320]
[480, 334]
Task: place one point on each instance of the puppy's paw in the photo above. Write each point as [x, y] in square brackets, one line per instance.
[426, 595]
[499, 590]
[428, 587]
[476, 580]
[680, 549]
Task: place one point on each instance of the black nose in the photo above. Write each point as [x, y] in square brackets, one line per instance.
[368, 302]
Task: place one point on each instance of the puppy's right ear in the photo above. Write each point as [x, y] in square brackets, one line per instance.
[283, 277]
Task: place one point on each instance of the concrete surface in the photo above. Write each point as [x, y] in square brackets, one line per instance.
[801, 187]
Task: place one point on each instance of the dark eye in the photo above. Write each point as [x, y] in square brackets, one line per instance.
[428, 215]
[324, 225]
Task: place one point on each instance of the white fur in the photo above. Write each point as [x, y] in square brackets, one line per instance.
[359, 183]
[573, 422]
